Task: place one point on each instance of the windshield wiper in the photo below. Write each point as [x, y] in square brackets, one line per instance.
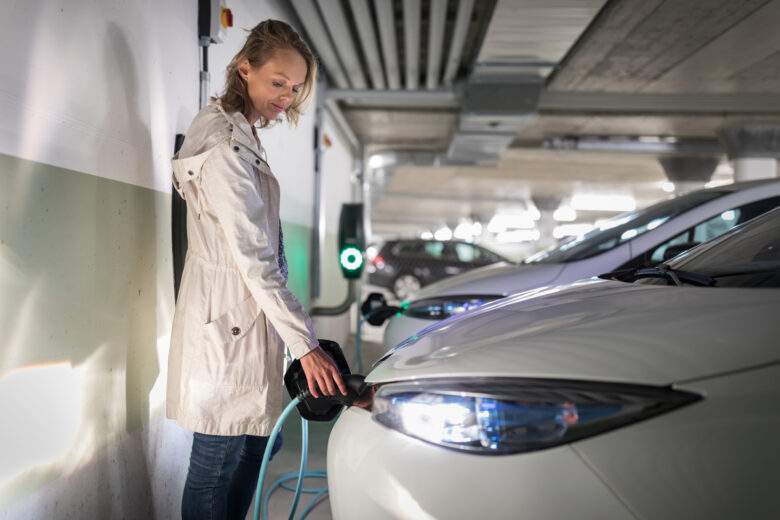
[661, 271]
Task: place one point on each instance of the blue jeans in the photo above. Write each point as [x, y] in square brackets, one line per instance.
[223, 476]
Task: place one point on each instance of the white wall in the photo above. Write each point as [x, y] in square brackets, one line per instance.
[97, 90]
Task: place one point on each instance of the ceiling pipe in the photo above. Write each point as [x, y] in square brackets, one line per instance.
[335, 19]
[396, 99]
[412, 40]
[458, 39]
[386, 23]
[636, 144]
[310, 18]
[340, 122]
[365, 26]
[436, 20]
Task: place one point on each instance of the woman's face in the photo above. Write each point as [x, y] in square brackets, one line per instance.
[273, 86]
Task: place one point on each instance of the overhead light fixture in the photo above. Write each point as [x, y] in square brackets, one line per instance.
[518, 235]
[565, 214]
[502, 222]
[426, 235]
[668, 187]
[443, 233]
[571, 230]
[463, 231]
[595, 202]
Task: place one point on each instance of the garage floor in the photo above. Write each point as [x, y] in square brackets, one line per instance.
[288, 459]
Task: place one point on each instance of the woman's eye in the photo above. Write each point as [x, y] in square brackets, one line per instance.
[296, 90]
[278, 84]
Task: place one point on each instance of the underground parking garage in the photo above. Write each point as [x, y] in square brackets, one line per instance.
[389, 259]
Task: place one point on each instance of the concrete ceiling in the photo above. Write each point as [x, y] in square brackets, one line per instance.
[677, 68]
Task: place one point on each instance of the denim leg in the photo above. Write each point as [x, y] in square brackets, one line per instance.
[244, 483]
[213, 461]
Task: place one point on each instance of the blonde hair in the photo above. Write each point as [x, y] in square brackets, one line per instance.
[264, 39]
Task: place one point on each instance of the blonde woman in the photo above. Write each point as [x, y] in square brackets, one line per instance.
[235, 315]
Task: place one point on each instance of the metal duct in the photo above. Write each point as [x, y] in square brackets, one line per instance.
[494, 112]
[458, 38]
[307, 12]
[365, 26]
[412, 41]
[436, 20]
[386, 24]
[336, 21]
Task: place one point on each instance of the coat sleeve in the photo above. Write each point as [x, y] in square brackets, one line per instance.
[229, 187]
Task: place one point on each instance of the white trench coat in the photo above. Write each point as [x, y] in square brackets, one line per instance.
[234, 314]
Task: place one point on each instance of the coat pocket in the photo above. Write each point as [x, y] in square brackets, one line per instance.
[234, 324]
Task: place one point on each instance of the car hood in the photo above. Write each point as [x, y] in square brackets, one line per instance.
[598, 330]
[501, 278]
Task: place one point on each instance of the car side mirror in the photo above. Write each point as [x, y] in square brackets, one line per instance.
[677, 249]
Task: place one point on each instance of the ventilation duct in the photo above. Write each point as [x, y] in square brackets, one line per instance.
[494, 112]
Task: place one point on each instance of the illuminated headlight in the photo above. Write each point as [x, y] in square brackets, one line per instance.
[503, 416]
[440, 308]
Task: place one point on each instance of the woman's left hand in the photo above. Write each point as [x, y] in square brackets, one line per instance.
[322, 373]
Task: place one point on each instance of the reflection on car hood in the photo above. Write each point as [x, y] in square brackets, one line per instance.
[598, 330]
[501, 278]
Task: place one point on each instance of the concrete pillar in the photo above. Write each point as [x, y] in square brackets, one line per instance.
[754, 151]
[546, 206]
[688, 173]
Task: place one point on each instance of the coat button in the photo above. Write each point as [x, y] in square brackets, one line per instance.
[235, 148]
[235, 331]
[190, 172]
[257, 162]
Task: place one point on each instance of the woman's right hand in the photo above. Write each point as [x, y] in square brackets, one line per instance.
[322, 373]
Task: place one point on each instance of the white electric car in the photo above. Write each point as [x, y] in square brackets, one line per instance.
[656, 399]
[642, 238]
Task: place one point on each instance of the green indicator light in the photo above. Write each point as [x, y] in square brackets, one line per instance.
[351, 258]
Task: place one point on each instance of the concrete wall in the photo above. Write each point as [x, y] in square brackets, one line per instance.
[91, 96]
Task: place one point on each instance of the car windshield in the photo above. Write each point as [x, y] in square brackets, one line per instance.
[622, 228]
[747, 256]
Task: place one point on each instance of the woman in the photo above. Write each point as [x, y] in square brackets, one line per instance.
[234, 315]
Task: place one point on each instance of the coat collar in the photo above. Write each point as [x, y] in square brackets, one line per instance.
[241, 131]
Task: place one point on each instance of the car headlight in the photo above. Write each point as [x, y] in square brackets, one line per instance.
[444, 307]
[502, 416]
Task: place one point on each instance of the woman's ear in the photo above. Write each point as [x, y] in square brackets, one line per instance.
[243, 69]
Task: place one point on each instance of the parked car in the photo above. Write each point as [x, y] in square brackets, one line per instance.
[404, 266]
[641, 238]
[596, 399]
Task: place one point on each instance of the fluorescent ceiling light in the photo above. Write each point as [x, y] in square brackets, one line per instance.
[585, 202]
[443, 233]
[426, 235]
[502, 222]
[571, 230]
[667, 186]
[518, 235]
[565, 214]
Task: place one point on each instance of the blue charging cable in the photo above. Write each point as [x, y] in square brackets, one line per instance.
[261, 501]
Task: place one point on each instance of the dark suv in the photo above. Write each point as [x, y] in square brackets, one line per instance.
[404, 266]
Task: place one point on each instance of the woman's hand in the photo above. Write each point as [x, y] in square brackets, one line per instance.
[322, 373]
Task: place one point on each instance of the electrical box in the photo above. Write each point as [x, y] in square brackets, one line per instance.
[214, 18]
[352, 240]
